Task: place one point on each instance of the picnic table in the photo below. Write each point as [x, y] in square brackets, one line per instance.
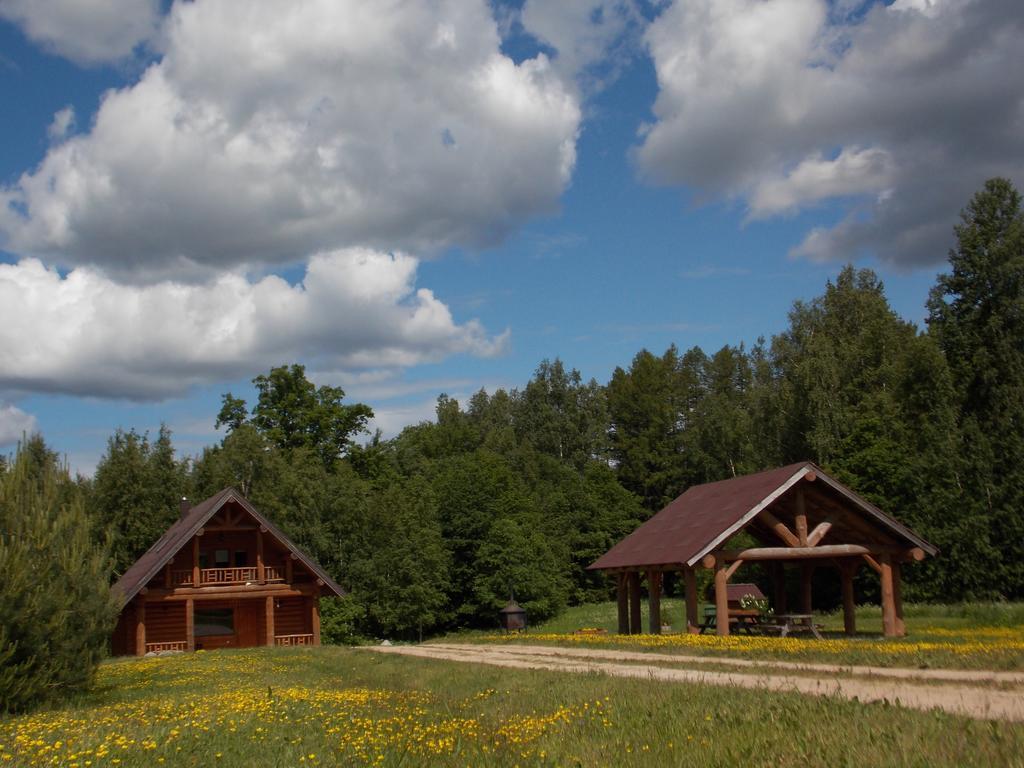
[785, 623]
[743, 619]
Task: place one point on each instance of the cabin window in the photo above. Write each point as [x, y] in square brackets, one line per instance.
[221, 558]
[214, 621]
[241, 558]
[204, 560]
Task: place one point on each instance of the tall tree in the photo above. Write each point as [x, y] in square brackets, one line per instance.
[56, 610]
[976, 313]
[136, 492]
[293, 413]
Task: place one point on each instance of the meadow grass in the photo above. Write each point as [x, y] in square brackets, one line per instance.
[339, 706]
[967, 636]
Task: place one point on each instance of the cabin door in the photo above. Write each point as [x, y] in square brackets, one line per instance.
[249, 623]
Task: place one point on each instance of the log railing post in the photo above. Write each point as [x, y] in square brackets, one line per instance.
[654, 602]
[847, 569]
[635, 623]
[888, 599]
[622, 594]
[692, 623]
[721, 597]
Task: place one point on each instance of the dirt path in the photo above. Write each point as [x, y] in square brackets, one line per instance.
[961, 699]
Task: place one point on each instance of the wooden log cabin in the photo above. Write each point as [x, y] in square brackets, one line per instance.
[800, 516]
[222, 576]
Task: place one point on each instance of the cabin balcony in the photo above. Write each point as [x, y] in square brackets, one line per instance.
[223, 577]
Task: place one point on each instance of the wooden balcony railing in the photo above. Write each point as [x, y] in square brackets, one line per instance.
[216, 577]
[177, 645]
[293, 639]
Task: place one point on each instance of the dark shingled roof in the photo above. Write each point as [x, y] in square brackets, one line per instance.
[705, 516]
[184, 528]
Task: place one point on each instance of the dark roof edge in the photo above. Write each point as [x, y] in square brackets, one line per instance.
[215, 502]
[750, 514]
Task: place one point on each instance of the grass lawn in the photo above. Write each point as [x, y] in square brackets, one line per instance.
[969, 636]
[338, 706]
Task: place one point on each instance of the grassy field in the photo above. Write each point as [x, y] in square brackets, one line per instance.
[969, 636]
[337, 706]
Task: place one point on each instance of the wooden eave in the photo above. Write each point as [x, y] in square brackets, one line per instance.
[146, 568]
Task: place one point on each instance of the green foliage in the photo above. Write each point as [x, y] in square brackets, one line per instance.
[293, 413]
[136, 493]
[340, 620]
[56, 611]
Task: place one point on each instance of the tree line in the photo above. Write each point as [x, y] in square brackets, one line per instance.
[520, 490]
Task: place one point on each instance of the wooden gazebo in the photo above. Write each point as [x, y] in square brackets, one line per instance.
[797, 513]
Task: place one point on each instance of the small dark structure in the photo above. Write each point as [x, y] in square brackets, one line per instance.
[800, 515]
[513, 617]
[221, 576]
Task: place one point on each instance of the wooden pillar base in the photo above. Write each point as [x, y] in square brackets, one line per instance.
[635, 623]
[622, 595]
[654, 602]
[692, 622]
[721, 597]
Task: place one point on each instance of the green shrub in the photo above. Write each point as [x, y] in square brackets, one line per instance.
[56, 610]
[339, 619]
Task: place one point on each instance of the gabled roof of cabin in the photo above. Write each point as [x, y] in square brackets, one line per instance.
[705, 516]
[184, 528]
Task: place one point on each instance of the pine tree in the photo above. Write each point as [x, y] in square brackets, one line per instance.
[56, 610]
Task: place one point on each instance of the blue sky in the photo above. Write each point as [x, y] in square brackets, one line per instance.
[436, 200]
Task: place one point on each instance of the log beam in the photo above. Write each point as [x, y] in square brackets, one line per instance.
[820, 530]
[269, 622]
[692, 623]
[261, 574]
[190, 624]
[822, 551]
[780, 528]
[801, 517]
[732, 568]
[140, 627]
[897, 598]
[195, 562]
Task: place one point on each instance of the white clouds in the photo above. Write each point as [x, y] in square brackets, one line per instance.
[14, 423]
[85, 334]
[85, 31]
[585, 33]
[270, 131]
[908, 109]
[63, 123]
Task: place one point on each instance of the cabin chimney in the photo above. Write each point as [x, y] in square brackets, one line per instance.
[184, 506]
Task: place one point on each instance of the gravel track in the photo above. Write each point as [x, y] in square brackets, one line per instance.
[868, 684]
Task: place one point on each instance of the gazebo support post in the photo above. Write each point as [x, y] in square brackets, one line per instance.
[690, 577]
[635, 623]
[654, 602]
[847, 569]
[622, 593]
[897, 597]
[721, 597]
[888, 598]
[806, 590]
[779, 587]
